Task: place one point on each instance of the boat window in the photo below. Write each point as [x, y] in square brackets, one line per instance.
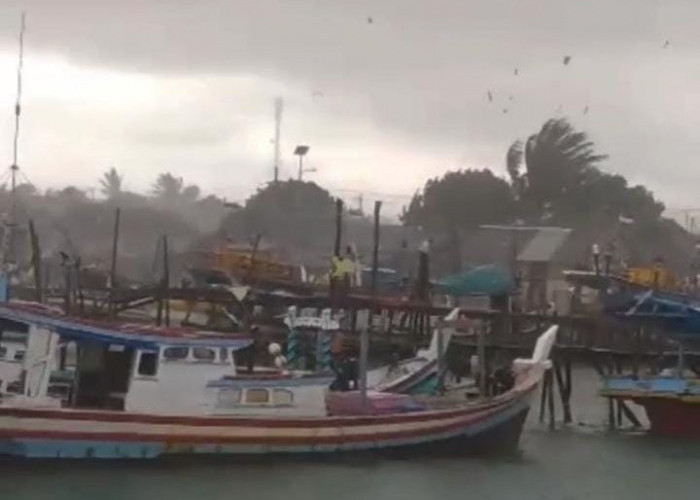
[19, 355]
[228, 397]
[148, 364]
[203, 354]
[223, 355]
[175, 353]
[257, 396]
[282, 397]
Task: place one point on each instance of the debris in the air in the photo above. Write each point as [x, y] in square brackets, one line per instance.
[510, 97]
[585, 110]
[560, 108]
[515, 72]
[567, 60]
[505, 110]
[490, 96]
[666, 44]
[369, 20]
[316, 93]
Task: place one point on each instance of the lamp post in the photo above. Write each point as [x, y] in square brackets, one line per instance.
[301, 151]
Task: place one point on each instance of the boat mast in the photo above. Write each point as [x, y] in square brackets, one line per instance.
[8, 241]
[18, 111]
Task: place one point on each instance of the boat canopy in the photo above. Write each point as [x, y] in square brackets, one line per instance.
[135, 335]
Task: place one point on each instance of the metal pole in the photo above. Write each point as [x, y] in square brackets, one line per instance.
[301, 166]
[364, 351]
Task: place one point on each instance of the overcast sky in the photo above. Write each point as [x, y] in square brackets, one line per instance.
[188, 86]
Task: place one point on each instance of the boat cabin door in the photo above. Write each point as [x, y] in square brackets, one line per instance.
[103, 373]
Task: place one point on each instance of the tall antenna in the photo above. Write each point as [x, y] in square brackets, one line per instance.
[18, 111]
[279, 107]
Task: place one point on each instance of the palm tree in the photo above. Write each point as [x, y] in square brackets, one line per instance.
[111, 183]
[168, 188]
[556, 159]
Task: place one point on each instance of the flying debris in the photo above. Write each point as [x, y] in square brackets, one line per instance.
[369, 20]
[510, 97]
[666, 44]
[316, 93]
[585, 110]
[560, 108]
[505, 111]
[490, 96]
[515, 72]
[567, 60]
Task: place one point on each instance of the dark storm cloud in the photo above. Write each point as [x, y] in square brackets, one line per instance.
[423, 68]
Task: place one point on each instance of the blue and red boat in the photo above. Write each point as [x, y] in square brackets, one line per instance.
[146, 392]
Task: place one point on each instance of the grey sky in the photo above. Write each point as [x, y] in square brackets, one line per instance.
[188, 86]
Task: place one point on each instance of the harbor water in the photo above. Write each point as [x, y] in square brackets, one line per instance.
[577, 462]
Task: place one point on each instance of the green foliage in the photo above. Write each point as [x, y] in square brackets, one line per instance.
[460, 199]
[292, 214]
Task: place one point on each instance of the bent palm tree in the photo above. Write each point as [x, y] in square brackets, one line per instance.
[556, 159]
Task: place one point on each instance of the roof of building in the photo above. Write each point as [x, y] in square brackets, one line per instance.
[137, 335]
[544, 245]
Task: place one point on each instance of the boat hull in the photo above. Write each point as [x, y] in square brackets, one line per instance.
[672, 417]
[491, 427]
[672, 405]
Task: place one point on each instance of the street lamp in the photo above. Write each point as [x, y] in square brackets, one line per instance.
[301, 151]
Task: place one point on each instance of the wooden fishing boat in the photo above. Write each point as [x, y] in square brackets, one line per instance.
[147, 392]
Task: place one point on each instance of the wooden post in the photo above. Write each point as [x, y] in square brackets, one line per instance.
[568, 383]
[611, 402]
[550, 398]
[36, 263]
[635, 356]
[166, 279]
[375, 246]
[338, 226]
[250, 275]
[333, 281]
[67, 284]
[364, 352]
[440, 356]
[80, 299]
[481, 355]
[113, 270]
[556, 366]
[159, 292]
[543, 396]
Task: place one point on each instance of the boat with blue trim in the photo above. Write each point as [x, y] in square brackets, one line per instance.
[140, 391]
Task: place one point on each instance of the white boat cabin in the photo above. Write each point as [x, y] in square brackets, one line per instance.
[143, 369]
[12, 353]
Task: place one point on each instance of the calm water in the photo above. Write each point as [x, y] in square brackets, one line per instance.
[582, 462]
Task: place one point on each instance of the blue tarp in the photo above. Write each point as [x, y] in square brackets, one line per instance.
[482, 280]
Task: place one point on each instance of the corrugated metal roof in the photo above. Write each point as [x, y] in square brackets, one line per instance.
[544, 245]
